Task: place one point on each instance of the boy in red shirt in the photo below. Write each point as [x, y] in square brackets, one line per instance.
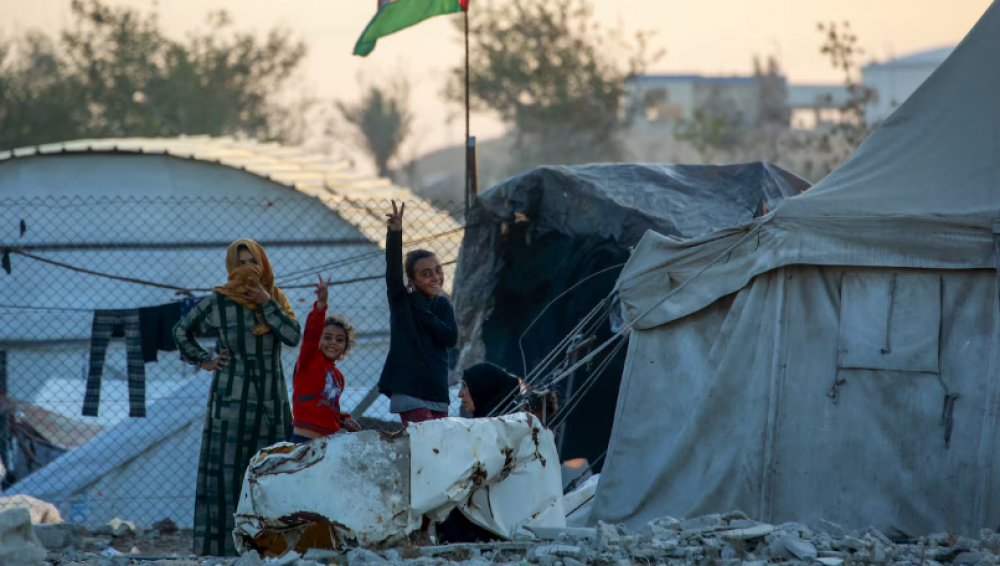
[317, 383]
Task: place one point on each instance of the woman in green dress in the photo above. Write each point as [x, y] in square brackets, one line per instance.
[248, 407]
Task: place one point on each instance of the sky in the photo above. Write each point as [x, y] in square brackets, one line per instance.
[714, 37]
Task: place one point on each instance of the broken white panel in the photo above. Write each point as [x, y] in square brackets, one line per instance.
[502, 473]
[508, 465]
[579, 502]
[356, 483]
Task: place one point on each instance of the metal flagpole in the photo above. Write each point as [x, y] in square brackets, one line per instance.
[468, 143]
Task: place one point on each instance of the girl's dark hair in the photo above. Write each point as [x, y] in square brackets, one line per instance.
[410, 264]
[242, 248]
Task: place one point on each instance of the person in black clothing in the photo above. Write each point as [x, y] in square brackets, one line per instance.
[487, 390]
[422, 327]
[486, 387]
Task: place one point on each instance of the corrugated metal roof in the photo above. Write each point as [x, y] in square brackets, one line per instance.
[334, 183]
[930, 57]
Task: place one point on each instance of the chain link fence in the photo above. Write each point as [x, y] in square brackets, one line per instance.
[65, 258]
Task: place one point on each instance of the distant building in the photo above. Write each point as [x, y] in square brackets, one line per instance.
[655, 102]
[814, 107]
[893, 81]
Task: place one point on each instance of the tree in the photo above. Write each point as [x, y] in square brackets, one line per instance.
[709, 132]
[834, 146]
[382, 121]
[114, 73]
[552, 74]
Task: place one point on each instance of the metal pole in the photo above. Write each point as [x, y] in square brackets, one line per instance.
[468, 171]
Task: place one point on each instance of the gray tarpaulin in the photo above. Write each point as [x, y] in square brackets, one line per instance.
[810, 368]
[619, 202]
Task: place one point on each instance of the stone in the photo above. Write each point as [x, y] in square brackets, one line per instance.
[18, 544]
[825, 561]
[705, 523]
[857, 545]
[830, 528]
[668, 523]
[60, 536]
[166, 526]
[568, 561]
[793, 547]
[360, 556]
[554, 550]
[41, 512]
[249, 559]
[759, 531]
[322, 554]
[729, 553]
[972, 558]
[121, 528]
[664, 544]
[939, 539]
[607, 534]
[878, 551]
[735, 516]
[877, 534]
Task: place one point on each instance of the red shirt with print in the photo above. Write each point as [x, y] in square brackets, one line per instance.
[317, 383]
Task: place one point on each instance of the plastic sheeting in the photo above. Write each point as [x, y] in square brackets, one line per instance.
[617, 202]
[805, 372]
[751, 404]
[501, 473]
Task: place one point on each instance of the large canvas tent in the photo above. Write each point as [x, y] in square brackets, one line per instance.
[837, 358]
[537, 235]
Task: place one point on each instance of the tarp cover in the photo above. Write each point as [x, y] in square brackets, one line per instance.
[617, 202]
[806, 364]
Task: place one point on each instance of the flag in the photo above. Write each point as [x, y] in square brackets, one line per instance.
[394, 15]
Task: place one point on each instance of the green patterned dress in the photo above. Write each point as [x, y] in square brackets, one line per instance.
[248, 408]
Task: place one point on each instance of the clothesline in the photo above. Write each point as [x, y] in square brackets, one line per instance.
[181, 290]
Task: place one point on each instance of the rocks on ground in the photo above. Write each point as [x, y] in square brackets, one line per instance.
[18, 544]
[730, 539]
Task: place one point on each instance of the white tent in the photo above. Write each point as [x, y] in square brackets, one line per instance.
[837, 358]
[148, 477]
[146, 190]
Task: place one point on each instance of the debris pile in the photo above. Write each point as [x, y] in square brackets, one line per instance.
[116, 544]
[730, 539]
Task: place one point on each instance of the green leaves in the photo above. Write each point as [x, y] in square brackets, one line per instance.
[553, 73]
[114, 73]
[382, 121]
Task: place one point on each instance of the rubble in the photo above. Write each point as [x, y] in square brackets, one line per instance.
[18, 544]
[729, 539]
[60, 536]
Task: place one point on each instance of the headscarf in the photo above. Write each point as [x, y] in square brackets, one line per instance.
[240, 275]
[490, 387]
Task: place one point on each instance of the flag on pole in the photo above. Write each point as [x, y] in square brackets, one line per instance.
[395, 15]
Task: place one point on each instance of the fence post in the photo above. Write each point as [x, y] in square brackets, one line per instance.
[471, 175]
[4, 428]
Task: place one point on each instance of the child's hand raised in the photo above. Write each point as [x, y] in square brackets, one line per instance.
[395, 219]
[322, 292]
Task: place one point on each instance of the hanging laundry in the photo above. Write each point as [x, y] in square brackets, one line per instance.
[189, 303]
[105, 324]
[156, 325]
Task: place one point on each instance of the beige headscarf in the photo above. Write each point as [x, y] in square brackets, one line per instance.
[240, 275]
